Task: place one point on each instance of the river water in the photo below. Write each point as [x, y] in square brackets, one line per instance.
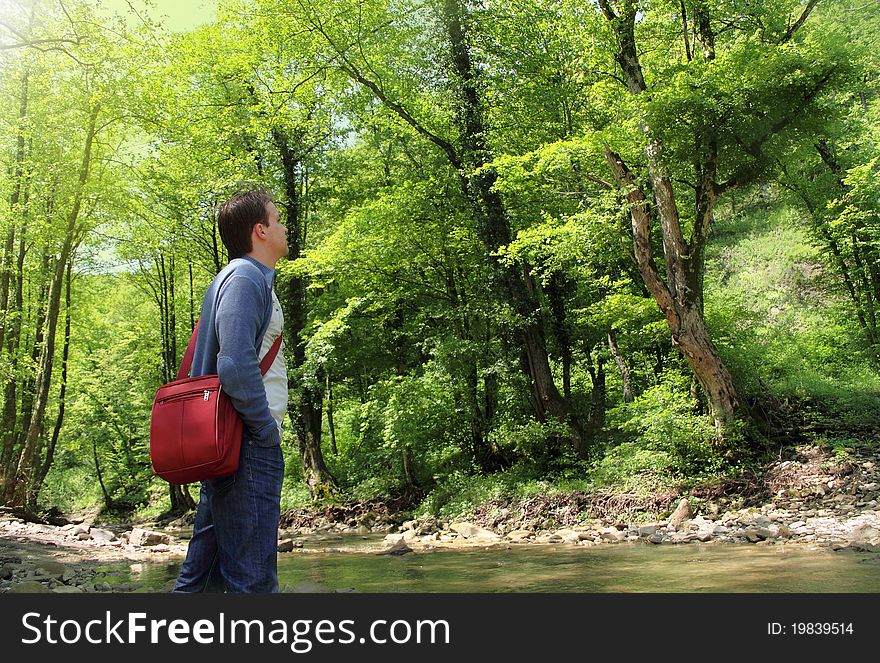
[558, 568]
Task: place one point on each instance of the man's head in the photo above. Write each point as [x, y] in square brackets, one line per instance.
[249, 224]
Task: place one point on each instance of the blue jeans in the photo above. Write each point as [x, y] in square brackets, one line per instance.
[234, 545]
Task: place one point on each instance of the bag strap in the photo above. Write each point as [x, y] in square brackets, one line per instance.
[186, 362]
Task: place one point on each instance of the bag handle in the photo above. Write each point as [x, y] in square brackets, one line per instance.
[186, 363]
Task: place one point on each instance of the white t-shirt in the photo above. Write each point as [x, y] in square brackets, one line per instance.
[275, 379]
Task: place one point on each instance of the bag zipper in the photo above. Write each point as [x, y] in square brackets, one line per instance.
[205, 394]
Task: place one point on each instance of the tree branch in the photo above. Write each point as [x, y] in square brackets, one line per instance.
[641, 228]
[794, 27]
[353, 72]
[606, 9]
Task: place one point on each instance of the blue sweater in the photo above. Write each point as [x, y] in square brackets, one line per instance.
[236, 311]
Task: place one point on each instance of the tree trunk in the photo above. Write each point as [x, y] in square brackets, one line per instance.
[108, 501]
[598, 397]
[680, 297]
[10, 391]
[677, 302]
[62, 400]
[865, 288]
[10, 322]
[306, 407]
[330, 416]
[14, 213]
[409, 472]
[621, 365]
[27, 463]
[556, 296]
[181, 500]
[514, 284]
[20, 422]
[481, 452]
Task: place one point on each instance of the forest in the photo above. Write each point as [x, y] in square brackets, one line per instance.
[534, 245]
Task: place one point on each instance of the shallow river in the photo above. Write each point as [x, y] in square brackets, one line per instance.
[612, 568]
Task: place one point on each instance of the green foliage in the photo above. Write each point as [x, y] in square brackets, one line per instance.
[783, 325]
[71, 486]
[668, 440]
[532, 440]
[404, 319]
[460, 492]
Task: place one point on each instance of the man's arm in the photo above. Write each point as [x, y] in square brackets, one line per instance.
[240, 310]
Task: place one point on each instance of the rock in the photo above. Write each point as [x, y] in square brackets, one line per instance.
[399, 548]
[612, 534]
[864, 532]
[99, 534]
[682, 512]
[656, 537]
[755, 534]
[136, 568]
[467, 530]
[287, 545]
[83, 536]
[67, 589]
[783, 532]
[471, 531]
[5, 572]
[145, 537]
[28, 587]
[80, 529]
[704, 536]
[102, 587]
[568, 535]
[796, 524]
[699, 522]
[647, 530]
[519, 535]
[50, 569]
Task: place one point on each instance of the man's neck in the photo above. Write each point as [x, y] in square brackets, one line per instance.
[262, 259]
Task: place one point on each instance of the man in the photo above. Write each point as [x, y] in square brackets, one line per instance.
[235, 536]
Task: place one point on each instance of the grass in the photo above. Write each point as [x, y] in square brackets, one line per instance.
[782, 322]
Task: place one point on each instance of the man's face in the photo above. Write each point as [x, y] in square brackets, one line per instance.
[276, 232]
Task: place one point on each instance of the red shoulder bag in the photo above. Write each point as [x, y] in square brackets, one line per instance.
[195, 432]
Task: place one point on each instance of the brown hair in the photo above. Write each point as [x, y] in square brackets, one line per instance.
[238, 216]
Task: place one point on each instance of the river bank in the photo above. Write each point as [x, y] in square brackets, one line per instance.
[813, 500]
